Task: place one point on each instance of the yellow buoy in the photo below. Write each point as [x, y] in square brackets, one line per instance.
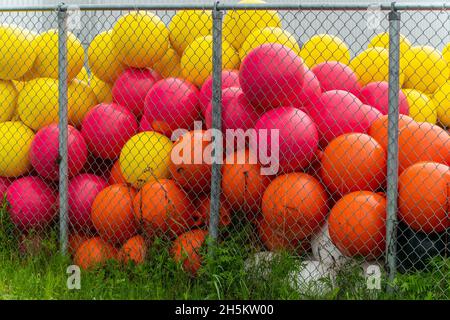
[382, 40]
[426, 69]
[15, 116]
[373, 65]
[38, 103]
[324, 47]
[238, 24]
[145, 157]
[441, 99]
[18, 84]
[169, 66]
[81, 99]
[83, 75]
[30, 74]
[8, 100]
[141, 37]
[17, 54]
[102, 90]
[46, 63]
[421, 107]
[188, 25]
[268, 35]
[103, 58]
[446, 52]
[15, 143]
[196, 62]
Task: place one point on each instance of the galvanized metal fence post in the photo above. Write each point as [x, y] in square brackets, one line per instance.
[62, 125]
[216, 179]
[392, 152]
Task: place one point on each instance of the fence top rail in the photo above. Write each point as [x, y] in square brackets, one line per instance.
[226, 6]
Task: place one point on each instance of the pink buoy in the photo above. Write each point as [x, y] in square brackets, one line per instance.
[308, 94]
[82, 191]
[106, 128]
[171, 104]
[33, 204]
[270, 74]
[376, 94]
[337, 112]
[132, 86]
[44, 153]
[297, 134]
[230, 78]
[334, 75]
[237, 113]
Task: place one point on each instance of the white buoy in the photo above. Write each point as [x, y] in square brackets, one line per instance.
[325, 251]
[312, 278]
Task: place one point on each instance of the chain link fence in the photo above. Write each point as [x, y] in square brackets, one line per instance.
[320, 132]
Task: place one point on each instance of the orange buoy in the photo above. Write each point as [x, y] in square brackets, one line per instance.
[243, 184]
[163, 207]
[357, 224]
[275, 239]
[422, 142]
[186, 249]
[423, 197]
[353, 162]
[203, 206]
[296, 204]
[134, 249]
[190, 170]
[379, 128]
[112, 213]
[75, 241]
[94, 252]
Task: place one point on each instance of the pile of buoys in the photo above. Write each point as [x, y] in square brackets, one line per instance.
[140, 167]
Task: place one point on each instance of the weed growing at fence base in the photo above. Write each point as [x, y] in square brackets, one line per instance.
[42, 275]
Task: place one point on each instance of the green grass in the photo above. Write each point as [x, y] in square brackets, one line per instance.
[42, 275]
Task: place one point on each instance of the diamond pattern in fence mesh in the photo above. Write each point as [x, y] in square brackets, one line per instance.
[304, 139]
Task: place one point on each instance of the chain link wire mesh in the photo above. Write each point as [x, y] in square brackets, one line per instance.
[424, 148]
[304, 137]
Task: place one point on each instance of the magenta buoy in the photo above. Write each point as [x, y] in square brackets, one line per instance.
[44, 154]
[106, 128]
[337, 112]
[230, 78]
[376, 94]
[82, 191]
[145, 125]
[237, 112]
[132, 86]
[334, 75]
[297, 133]
[33, 204]
[270, 74]
[171, 104]
[309, 93]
